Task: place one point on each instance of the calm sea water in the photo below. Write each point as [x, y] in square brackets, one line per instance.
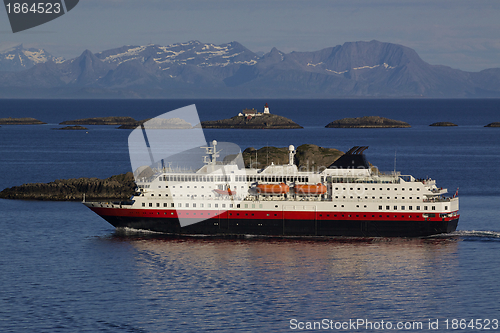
[64, 269]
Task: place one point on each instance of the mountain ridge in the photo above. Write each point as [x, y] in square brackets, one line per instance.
[205, 70]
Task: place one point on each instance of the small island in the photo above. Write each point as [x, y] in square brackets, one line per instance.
[20, 121]
[495, 124]
[443, 123]
[251, 119]
[101, 121]
[159, 123]
[307, 157]
[120, 187]
[367, 122]
[72, 128]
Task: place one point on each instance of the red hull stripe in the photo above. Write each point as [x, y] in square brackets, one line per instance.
[277, 215]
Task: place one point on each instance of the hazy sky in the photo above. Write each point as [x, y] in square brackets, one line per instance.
[457, 33]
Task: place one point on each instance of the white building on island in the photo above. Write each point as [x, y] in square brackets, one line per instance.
[254, 113]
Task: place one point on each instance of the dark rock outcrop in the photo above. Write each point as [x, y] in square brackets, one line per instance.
[116, 187]
[495, 124]
[72, 128]
[20, 121]
[265, 121]
[307, 156]
[101, 121]
[367, 122]
[443, 123]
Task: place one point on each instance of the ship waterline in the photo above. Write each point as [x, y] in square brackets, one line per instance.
[347, 198]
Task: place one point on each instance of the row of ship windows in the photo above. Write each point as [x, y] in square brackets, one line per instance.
[209, 205]
[410, 207]
[238, 178]
[201, 205]
[373, 189]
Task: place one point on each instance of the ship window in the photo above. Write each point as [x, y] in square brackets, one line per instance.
[164, 204]
[209, 205]
[395, 207]
[253, 205]
[194, 205]
[223, 205]
[418, 207]
[380, 207]
[410, 207]
[418, 189]
[433, 207]
[230, 205]
[402, 207]
[143, 204]
[150, 204]
[260, 205]
[246, 205]
[445, 207]
[388, 189]
[216, 205]
[179, 205]
[152, 195]
[425, 208]
[387, 207]
[187, 205]
[157, 204]
[410, 189]
[403, 189]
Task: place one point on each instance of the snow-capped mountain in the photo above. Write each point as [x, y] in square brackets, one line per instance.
[190, 53]
[19, 58]
[202, 70]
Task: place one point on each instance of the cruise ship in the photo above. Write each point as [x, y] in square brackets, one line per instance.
[348, 198]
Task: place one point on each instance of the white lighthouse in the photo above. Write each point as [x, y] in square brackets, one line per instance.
[266, 109]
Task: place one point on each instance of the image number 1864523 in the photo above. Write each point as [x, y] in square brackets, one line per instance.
[26, 14]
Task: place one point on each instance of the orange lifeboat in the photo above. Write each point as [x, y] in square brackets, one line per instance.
[310, 189]
[280, 188]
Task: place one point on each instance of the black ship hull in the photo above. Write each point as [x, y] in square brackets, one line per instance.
[285, 228]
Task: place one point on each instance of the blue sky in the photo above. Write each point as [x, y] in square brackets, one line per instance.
[457, 33]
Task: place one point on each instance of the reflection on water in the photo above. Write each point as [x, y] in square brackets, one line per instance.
[265, 283]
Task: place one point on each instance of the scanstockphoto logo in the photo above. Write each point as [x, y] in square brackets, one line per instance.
[170, 156]
[26, 14]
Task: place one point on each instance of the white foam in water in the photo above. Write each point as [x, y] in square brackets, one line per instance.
[476, 233]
